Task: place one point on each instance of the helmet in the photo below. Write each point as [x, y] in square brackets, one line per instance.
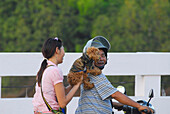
[98, 42]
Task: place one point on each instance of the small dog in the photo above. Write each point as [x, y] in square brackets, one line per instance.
[83, 66]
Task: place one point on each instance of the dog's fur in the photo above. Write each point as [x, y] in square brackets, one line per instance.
[83, 66]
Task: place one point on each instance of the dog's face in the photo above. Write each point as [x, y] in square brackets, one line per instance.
[93, 53]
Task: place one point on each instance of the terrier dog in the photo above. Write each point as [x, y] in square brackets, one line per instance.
[83, 66]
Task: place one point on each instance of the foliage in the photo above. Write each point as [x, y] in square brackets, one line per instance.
[128, 25]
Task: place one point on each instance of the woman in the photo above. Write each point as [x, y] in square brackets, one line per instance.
[50, 78]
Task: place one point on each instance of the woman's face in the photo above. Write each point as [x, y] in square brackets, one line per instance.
[102, 60]
[60, 55]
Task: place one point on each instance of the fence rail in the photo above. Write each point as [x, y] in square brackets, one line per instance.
[147, 68]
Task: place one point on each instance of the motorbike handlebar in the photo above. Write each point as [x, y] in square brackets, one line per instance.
[133, 110]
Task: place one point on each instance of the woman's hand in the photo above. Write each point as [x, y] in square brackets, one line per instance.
[81, 80]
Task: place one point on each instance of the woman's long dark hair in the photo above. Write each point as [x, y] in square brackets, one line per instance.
[48, 50]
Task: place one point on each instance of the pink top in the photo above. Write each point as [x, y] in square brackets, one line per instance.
[51, 76]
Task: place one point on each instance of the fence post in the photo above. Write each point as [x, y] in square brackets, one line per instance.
[0, 86]
[139, 85]
[143, 84]
[152, 82]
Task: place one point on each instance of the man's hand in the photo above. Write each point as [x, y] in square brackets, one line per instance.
[142, 108]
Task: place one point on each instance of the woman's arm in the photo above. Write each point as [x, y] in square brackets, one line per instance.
[62, 98]
[61, 91]
[68, 88]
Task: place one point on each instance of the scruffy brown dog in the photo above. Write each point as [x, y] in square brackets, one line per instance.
[83, 66]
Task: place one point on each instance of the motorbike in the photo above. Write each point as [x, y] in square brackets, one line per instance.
[133, 110]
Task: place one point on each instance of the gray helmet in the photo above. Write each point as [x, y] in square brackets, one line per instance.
[98, 42]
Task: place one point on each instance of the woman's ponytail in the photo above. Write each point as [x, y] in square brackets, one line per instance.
[41, 70]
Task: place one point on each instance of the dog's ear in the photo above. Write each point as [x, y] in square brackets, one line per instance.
[78, 65]
[85, 58]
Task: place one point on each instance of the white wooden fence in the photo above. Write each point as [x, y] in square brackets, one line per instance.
[147, 68]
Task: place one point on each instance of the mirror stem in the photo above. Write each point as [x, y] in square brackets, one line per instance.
[148, 101]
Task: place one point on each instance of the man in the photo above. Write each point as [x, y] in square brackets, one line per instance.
[97, 99]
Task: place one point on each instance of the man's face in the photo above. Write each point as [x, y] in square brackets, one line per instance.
[102, 60]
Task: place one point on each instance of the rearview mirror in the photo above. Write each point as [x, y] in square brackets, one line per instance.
[150, 96]
[121, 89]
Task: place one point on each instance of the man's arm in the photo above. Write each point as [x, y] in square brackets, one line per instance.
[127, 101]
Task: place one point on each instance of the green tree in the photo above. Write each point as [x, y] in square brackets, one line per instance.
[139, 26]
[128, 25]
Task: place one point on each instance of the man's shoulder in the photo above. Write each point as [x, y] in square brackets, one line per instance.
[100, 75]
[97, 78]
